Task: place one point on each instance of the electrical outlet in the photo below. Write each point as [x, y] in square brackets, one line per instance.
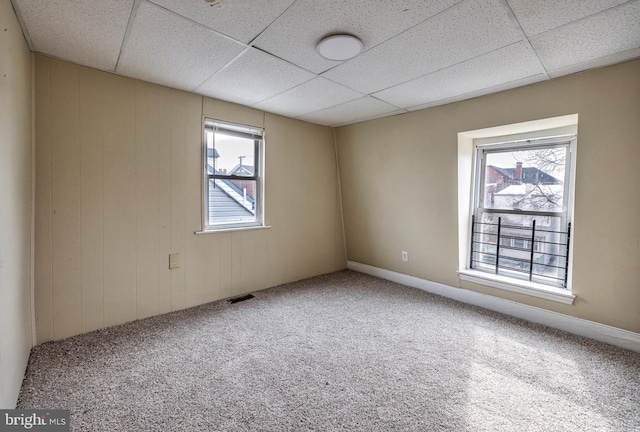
[405, 256]
[174, 261]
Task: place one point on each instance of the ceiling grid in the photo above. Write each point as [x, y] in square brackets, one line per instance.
[416, 54]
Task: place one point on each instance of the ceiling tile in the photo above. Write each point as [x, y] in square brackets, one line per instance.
[598, 36]
[617, 57]
[254, 77]
[504, 65]
[485, 91]
[465, 31]
[240, 19]
[77, 31]
[314, 95]
[365, 108]
[536, 17]
[170, 50]
[294, 35]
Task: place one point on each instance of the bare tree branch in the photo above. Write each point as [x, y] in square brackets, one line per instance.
[548, 160]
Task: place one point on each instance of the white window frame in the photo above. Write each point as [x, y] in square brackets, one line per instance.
[468, 173]
[564, 214]
[250, 132]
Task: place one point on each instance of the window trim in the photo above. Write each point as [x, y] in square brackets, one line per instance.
[467, 168]
[244, 131]
[566, 142]
[519, 286]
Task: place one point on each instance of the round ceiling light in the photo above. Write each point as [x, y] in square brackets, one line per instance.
[340, 47]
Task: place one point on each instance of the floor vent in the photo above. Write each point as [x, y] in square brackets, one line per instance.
[239, 299]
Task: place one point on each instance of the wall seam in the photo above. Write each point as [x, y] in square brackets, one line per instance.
[53, 329]
[187, 109]
[102, 182]
[32, 272]
[103, 189]
[135, 170]
[80, 196]
[339, 197]
[171, 188]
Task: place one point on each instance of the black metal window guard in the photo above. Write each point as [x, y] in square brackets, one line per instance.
[525, 252]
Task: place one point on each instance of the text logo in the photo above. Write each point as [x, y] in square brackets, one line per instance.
[34, 420]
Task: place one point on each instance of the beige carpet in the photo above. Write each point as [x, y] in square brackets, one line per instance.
[343, 351]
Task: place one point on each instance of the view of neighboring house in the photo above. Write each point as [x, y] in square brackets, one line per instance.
[527, 189]
[230, 200]
[249, 186]
[501, 181]
[226, 203]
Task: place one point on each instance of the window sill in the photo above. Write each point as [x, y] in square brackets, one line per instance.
[224, 230]
[522, 287]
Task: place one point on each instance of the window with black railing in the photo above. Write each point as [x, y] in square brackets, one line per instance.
[521, 247]
[522, 210]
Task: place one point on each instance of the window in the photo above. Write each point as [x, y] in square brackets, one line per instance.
[521, 219]
[232, 175]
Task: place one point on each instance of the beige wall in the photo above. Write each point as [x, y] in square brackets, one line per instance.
[399, 188]
[119, 187]
[15, 208]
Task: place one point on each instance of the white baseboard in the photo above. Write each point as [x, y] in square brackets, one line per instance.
[581, 327]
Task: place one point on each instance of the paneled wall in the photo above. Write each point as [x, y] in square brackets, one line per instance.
[399, 180]
[16, 221]
[119, 188]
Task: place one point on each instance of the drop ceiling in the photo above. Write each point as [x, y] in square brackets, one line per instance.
[417, 53]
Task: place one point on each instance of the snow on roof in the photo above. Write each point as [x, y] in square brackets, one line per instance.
[531, 189]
